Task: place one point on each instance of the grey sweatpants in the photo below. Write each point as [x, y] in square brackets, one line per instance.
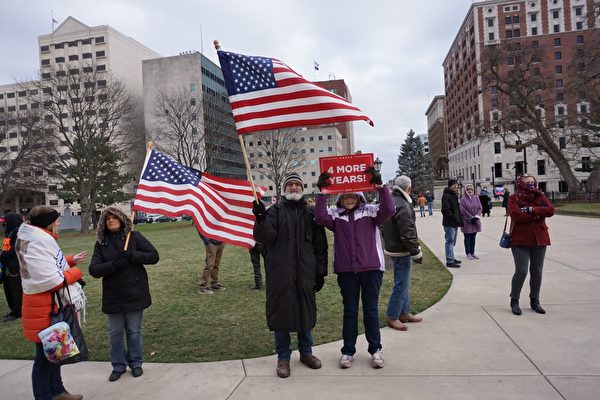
[532, 257]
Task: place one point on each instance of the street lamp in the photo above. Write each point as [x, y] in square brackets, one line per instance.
[378, 163]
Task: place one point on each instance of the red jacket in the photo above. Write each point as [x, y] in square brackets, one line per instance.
[529, 229]
[36, 307]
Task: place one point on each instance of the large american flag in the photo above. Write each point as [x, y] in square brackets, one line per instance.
[221, 208]
[266, 94]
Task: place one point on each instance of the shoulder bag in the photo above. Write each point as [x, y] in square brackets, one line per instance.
[506, 238]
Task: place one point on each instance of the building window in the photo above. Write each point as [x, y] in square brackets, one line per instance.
[59, 45]
[312, 139]
[73, 43]
[46, 61]
[579, 39]
[579, 25]
[559, 83]
[534, 31]
[73, 57]
[86, 55]
[88, 70]
[44, 49]
[192, 87]
[507, 20]
[490, 22]
[563, 187]
[491, 36]
[555, 14]
[508, 34]
[556, 42]
[556, 28]
[517, 33]
[329, 137]
[583, 109]
[558, 69]
[86, 41]
[515, 19]
[74, 71]
[586, 164]
[99, 39]
[495, 103]
[557, 55]
[101, 68]
[562, 143]
[22, 107]
[560, 96]
[497, 148]
[102, 83]
[533, 17]
[101, 53]
[59, 59]
[538, 99]
[498, 170]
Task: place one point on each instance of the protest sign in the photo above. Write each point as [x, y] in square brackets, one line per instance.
[347, 173]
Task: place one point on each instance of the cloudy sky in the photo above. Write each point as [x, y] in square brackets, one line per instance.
[388, 52]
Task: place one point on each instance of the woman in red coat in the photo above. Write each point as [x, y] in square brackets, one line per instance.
[528, 208]
[44, 269]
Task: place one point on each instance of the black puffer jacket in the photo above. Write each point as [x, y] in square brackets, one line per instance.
[450, 209]
[296, 249]
[125, 289]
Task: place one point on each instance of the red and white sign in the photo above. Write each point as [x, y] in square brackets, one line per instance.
[347, 173]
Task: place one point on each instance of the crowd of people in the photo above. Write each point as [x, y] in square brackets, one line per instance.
[290, 238]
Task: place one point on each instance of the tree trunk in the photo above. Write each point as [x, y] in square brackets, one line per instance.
[592, 184]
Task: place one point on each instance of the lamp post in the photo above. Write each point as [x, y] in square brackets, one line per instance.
[377, 164]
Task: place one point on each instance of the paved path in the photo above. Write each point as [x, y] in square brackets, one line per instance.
[469, 345]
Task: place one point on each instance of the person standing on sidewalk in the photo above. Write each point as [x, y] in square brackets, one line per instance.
[528, 208]
[358, 260]
[505, 197]
[470, 210]
[125, 288]
[214, 251]
[44, 270]
[295, 270]
[429, 198]
[451, 221]
[422, 202]
[402, 245]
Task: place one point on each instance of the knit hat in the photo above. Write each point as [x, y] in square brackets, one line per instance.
[292, 177]
[452, 181]
[44, 220]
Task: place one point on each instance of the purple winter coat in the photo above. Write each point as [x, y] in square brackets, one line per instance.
[357, 242]
[470, 206]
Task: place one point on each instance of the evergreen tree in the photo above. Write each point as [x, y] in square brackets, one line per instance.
[414, 163]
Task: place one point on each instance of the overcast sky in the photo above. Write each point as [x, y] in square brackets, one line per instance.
[390, 55]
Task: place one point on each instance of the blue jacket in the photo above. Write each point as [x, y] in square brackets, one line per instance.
[357, 242]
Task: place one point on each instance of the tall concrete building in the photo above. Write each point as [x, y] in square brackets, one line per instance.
[215, 141]
[437, 137]
[557, 30]
[425, 141]
[339, 87]
[74, 47]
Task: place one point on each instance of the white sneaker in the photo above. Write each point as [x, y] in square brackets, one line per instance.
[346, 361]
[377, 361]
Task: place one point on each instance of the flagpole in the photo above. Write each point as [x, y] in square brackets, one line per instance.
[148, 148]
[242, 145]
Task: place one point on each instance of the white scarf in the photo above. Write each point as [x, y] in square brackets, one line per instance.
[42, 265]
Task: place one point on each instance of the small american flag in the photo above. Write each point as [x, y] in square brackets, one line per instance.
[266, 94]
[221, 208]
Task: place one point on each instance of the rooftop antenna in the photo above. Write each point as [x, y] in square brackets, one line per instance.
[201, 41]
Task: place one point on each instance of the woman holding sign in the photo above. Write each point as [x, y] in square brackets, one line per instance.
[358, 259]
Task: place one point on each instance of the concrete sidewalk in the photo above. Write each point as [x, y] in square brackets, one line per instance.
[469, 346]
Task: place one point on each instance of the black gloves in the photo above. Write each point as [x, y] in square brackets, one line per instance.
[323, 181]
[319, 282]
[259, 210]
[120, 263]
[474, 220]
[126, 254]
[375, 176]
[526, 209]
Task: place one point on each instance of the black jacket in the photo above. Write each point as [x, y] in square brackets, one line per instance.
[125, 289]
[400, 232]
[8, 256]
[451, 209]
[296, 250]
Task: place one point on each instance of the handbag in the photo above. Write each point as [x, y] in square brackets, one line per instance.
[63, 340]
[506, 238]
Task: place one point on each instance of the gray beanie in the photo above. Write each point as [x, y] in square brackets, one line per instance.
[292, 177]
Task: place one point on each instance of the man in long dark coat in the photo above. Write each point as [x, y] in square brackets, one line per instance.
[295, 267]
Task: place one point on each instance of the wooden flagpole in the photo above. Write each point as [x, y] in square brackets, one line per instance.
[148, 148]
[242, 145]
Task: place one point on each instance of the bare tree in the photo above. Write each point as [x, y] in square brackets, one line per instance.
[25, 153]
[525, 113]
[277, 154]
[89, 115]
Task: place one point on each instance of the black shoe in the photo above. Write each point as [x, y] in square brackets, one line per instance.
[257, 287]
[137, 371]
[115, 375]
[535, 306]
[453, 265]
[514, 306]
[9, 317]
[457, 261]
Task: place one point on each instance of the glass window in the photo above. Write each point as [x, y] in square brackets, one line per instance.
[555, 14]
[100, 53]
[497, 148]
[73, 57]
[490, 22]
[73, 43]
[541, 167]
[491, 36]
[556, 42]
[579, 39]
[579, 25]
[44, 48]
[534, 31]
[533, 17]
[508, 20]
[99, 39]
[558, 69]
[59, 59]
[556, 28]
[59, 45]
[46, 61]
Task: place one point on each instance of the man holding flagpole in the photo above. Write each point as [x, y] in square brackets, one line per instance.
[295, 268]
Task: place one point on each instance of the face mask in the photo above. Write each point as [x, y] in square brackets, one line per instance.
[530, 185]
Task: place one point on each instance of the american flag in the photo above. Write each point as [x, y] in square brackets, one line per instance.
[266, 94]
[221, 208]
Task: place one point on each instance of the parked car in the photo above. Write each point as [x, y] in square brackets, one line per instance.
[162, 218]
[186, 217]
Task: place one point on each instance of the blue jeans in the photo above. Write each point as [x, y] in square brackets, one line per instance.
[399, 302]
[45, 376]
[470, 242]
[430, 208]
[422, 210]
[121, 326]
[283, 342]
[351, 284]
[450, 236]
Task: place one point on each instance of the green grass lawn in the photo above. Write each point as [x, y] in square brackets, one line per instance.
[184, 326]
[583, 209]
